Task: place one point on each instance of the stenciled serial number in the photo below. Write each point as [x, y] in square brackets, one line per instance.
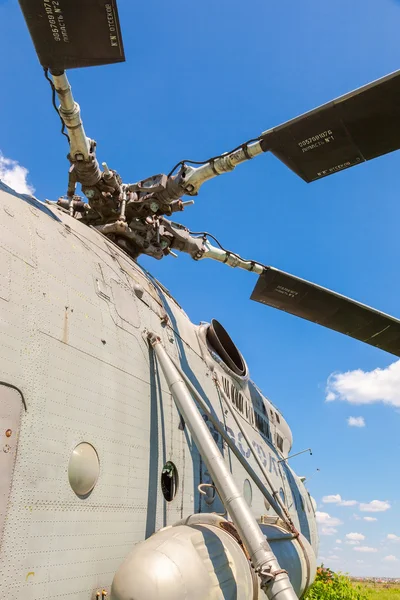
[56, 20]
[286, 291]
[320, 139]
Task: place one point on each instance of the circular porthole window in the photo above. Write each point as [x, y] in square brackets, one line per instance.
[83, 469]
[247, 492]
[169, 481]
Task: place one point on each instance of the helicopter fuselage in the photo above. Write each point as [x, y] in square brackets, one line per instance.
[89, 428]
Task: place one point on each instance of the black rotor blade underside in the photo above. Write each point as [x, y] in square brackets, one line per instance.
[74, 33]
[354, 128]
[324, 307]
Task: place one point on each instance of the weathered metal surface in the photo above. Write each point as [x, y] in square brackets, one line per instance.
[87, 376]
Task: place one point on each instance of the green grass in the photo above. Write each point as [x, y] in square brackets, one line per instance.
[381, 592]
[336, 586]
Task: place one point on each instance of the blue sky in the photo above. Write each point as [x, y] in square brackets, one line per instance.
[200, 78]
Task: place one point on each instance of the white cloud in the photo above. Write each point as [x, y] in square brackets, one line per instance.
[389, 558]
[360, 562]
[334, 557]
[14, 175]
[324, 518]
[375, 506]
[328, 530]
[366, 387]
[337, 499]
[392, 537]
[370, 519]
[332, 499]
[338, 548]
[356, 422]
[355, 537]
[365, 549]
[352, 542]
[338, 541]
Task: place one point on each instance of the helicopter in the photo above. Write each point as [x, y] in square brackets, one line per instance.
[145, 463]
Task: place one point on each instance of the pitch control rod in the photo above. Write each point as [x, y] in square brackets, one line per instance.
[275, 582]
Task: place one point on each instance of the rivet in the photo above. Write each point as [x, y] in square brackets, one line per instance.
[8, 433]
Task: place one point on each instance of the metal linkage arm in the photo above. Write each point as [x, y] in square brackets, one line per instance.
[233, 260]
[191, 178]
[102, 189]
[274, 581]
[200, 247]
[71, 115]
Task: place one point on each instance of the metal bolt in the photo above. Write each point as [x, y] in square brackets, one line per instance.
[8, 433]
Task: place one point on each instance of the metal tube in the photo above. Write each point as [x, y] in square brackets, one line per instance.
[293, 455]
[274, 581]
[267, 495]
[275, 493]
[71, 115]
[230, 259]
[123, 206]
[196, 176]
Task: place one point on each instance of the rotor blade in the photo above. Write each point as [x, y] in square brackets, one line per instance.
[74, 33]
[354, 128]
[324, 307]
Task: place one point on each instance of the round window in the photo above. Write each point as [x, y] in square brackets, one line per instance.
[83, 469]
[169, 481]
[247, 492]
